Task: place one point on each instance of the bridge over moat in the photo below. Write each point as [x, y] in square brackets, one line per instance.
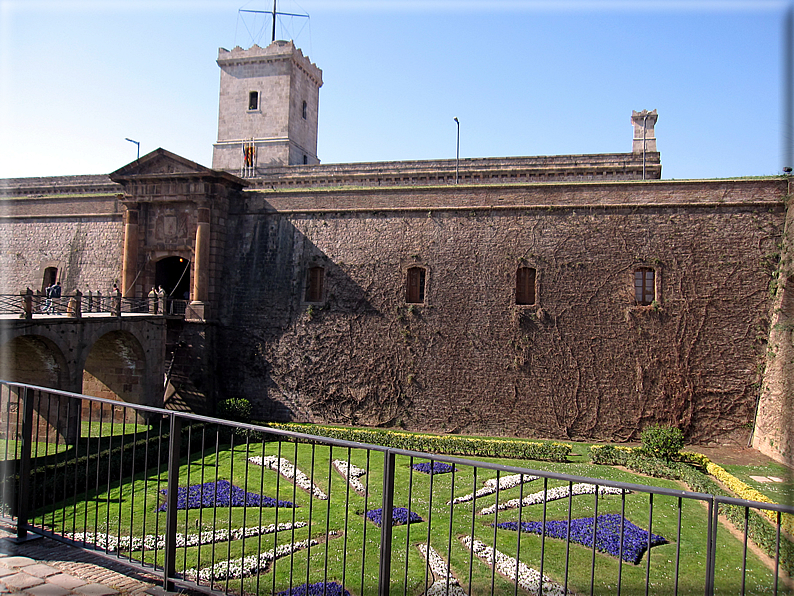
[117, 357]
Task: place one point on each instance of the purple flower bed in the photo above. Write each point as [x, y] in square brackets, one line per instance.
[399, 516]
[220, 494]
[435, 467]
[635, 539]
[318, 589]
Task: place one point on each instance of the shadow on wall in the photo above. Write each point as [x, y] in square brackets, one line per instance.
[286, 342]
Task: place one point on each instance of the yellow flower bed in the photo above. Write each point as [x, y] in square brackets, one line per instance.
[745, 491]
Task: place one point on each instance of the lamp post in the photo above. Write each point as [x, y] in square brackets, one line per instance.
[137, 144]
[457, 151]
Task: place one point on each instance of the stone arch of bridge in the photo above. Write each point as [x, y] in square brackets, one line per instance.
[115, 368]
[37, 360]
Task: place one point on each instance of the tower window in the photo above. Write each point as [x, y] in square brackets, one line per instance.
[253, 100]
[415, 290]
[644, 286]
[305, 159]
[315, 277]
[525, 285]
[303, 111]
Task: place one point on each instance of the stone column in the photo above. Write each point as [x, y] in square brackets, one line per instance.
[130, 257]
[201, 266]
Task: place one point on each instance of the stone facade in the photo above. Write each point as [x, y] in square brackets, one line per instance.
[583, 361]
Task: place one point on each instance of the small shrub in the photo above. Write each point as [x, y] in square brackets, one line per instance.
[663, 442]
[235, 408]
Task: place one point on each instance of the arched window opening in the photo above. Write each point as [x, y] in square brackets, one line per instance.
[415, 285]
[304, 110]
[315, 278]
[644, 286]
[525, 285]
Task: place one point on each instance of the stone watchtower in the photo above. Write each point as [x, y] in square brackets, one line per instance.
[269, 101]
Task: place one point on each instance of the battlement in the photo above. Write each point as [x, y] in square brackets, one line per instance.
[278, 50]
[488, 170]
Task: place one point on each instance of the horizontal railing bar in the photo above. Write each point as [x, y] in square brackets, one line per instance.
[408, 453]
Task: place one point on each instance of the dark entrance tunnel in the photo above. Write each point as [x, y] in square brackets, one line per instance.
[173, 273]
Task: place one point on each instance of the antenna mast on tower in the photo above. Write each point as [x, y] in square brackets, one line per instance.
[275, 12]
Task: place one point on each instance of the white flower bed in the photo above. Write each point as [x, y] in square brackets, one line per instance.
[286, 469]
[505, 482]
[528, 578]
[561, 492]
[440, 569]
[351, 473]
[245, 566]
[152, 541]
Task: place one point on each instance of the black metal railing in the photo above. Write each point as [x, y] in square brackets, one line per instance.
[226, 507]
[78, 305]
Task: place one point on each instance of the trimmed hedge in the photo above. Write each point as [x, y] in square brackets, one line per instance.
[759, 531]
[442, 445]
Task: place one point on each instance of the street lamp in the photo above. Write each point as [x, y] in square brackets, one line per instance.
[457, 151]
[137, 143]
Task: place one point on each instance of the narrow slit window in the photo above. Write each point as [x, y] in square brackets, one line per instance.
[525, 285]
[253, 100]
[644, 286]
[303, 111]
[315, 278]
[415, 291]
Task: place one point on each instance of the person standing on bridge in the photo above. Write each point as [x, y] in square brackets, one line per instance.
[115, 293]
[55, 298]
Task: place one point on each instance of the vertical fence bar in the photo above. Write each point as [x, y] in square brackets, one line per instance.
[387, 506]
[24, 468]
[169, 567]
[710, 543]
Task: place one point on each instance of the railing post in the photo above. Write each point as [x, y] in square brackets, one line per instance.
[174, 444]
[711, 545]
[29, 304]
[387, 507]
[23, 490]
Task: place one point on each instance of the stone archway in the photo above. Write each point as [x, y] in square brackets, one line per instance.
[115, 369]
[37, 360]
[173, 274]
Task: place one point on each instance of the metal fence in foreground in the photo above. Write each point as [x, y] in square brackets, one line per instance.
[234, 508]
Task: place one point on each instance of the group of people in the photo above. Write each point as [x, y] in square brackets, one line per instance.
[157, 300]
[95, 301]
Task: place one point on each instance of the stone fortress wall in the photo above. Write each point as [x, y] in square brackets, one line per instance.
[584, 361]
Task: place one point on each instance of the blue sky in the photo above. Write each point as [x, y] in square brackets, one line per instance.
[523, 77]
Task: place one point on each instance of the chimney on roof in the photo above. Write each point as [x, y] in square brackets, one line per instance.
[644, 137]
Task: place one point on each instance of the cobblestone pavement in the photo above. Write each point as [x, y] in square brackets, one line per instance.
[44, 567]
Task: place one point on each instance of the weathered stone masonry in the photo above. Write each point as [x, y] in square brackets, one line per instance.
[583, 362]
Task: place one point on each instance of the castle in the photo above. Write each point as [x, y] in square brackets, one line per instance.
[575, 296]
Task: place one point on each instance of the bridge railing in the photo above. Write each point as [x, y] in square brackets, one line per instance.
[78, 304]
[230, 508]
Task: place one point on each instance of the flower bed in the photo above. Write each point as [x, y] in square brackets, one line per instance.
[318, 589]
[446, 583]
[553, 494]
[528, 578]
[634, 543]
[505, 482]
[434, 467]
[290, 472]
[157, 542]
[246, 566]
[221, 493]
[399, 516]
[351, 473]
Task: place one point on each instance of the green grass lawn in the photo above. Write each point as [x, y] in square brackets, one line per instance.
[351, 555]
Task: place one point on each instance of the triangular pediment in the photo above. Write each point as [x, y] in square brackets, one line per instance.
[159, 163]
